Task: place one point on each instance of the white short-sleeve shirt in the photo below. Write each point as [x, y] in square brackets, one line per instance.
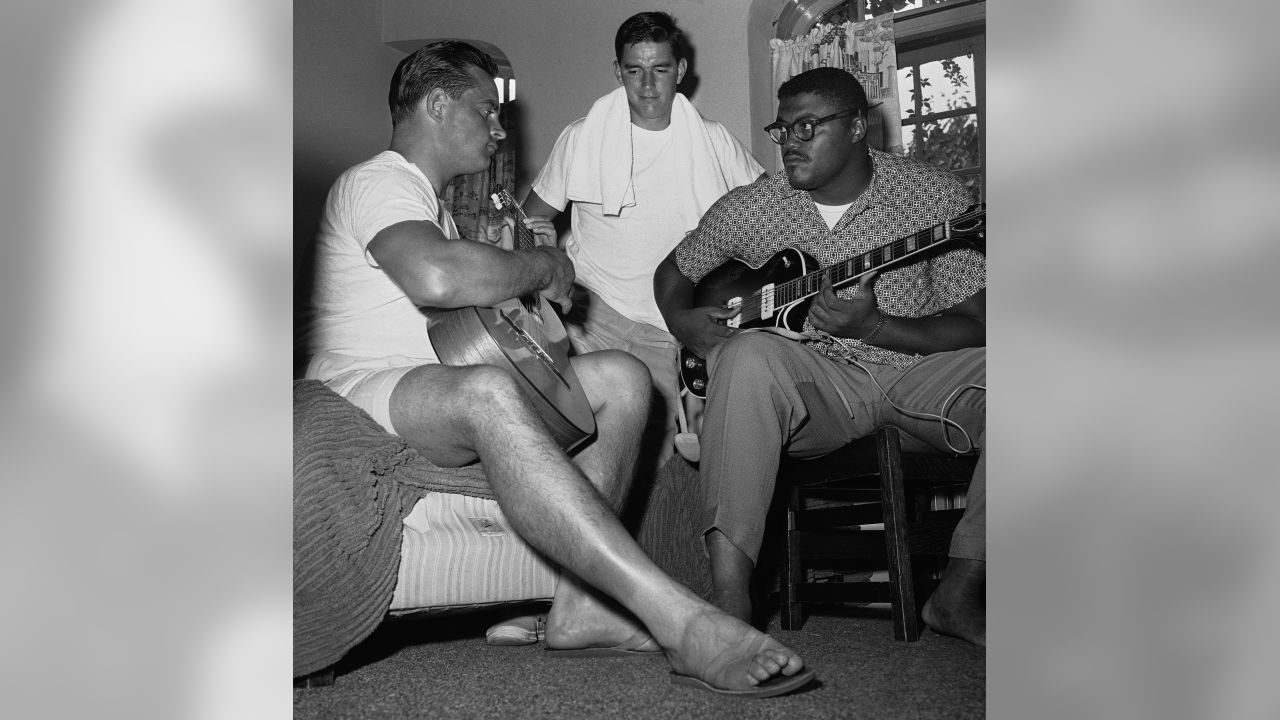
[616, 256]
[361, 318]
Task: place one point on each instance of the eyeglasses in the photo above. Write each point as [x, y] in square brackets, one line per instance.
[803, 128]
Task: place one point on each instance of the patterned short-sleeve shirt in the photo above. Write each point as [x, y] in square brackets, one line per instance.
[753, 222]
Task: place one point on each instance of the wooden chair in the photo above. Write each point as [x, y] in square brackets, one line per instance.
[869, 481]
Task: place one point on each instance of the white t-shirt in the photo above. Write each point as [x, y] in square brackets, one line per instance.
[831, 214]
[362, 319]
[615, 256]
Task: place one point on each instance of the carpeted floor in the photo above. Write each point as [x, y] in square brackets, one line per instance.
[441, 668]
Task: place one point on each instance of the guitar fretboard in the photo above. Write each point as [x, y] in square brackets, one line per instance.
[524, 237]
[810, 284]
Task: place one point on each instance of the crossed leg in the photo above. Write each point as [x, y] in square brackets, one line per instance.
[457, 415]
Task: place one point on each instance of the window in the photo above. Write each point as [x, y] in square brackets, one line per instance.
[941, 79]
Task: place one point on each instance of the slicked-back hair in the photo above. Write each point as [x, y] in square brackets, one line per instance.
[653, 26]
[834, 85]
[441, 65]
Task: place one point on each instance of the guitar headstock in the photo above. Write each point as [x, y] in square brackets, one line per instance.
[502, 199]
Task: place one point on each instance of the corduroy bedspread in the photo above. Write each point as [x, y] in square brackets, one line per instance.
[353, 484]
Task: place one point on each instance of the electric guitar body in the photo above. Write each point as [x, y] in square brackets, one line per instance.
[778, 293]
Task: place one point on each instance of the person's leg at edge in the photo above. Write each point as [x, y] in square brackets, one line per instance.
[453, 415]
[767, 394]
[958, 605]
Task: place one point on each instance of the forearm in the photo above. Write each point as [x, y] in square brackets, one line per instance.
[479, 275]
[535, 206]
[672, 291]
[461, 273]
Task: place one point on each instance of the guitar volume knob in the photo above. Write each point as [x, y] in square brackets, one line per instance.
[699, 385]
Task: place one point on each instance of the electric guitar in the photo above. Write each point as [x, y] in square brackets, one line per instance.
[778, 292]
[525, 337]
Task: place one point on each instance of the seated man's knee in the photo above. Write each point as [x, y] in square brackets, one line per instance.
[621, 374]
[487, 386]
[745, 350]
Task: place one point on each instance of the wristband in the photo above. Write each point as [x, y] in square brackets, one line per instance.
[876, 330]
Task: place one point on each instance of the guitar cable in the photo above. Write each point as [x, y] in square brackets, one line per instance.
[941, 416]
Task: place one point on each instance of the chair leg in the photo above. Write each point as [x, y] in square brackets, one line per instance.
[793, 570]
[906, 616]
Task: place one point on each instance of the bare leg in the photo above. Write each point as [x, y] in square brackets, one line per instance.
[618, 392]
[958, 606]
[453, 415]
[618, 388]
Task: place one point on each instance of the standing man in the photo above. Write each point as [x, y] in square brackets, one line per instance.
[640, 169]
[389, 257]
[904, 348]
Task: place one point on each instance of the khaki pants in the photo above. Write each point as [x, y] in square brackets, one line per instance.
[770, 395]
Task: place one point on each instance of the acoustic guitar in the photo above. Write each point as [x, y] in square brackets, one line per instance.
[778, 292]
[525, 337]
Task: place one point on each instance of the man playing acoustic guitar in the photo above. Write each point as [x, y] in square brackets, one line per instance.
[389, 257]
[902, 347]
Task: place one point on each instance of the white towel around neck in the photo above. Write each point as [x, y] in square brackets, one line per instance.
[600, 170]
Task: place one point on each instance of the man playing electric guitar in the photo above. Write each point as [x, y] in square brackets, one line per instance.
[903, 347]
[388, 257]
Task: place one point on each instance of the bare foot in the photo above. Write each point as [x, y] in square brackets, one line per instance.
[701, 641]
[581, 619]
[729, 654]
[958, 606]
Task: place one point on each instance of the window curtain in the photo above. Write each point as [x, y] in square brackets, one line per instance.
[865, 49]
[467, 197]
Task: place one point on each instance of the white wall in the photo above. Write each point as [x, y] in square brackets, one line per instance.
[561, 52]
[341, 71]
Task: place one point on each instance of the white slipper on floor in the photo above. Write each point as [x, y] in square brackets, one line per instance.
[524, 630]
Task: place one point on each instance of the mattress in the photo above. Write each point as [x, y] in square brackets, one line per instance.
[459, 551]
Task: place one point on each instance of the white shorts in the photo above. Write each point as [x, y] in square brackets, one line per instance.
[367, 388]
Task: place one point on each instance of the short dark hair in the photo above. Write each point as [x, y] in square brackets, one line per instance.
[440, 64]
[839, 87]
[653, 26]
